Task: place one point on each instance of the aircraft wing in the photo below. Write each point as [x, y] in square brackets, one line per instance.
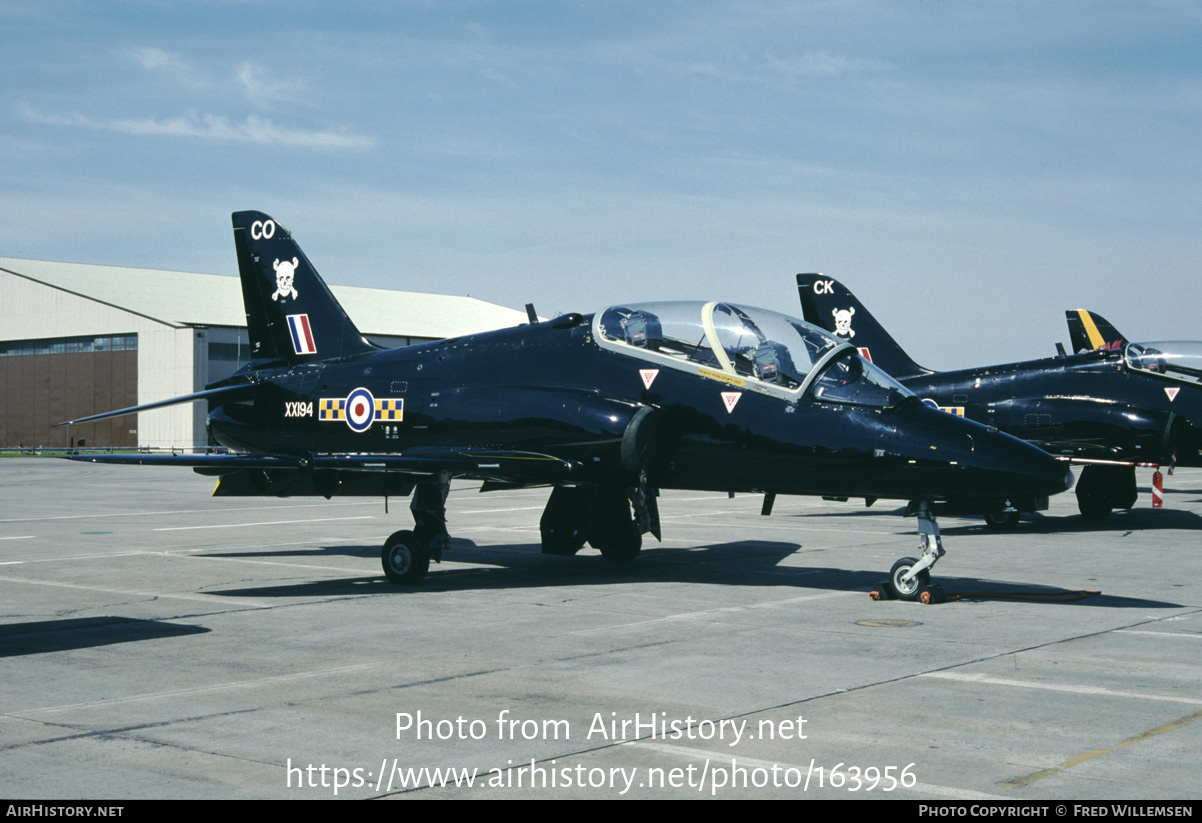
[464, 462]
[518, 466]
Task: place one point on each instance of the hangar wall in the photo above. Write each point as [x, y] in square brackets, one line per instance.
[48, 378]
[171, 363]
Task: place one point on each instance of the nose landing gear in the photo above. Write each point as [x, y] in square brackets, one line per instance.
[910, 576]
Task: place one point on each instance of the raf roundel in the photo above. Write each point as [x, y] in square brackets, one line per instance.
[360, 410]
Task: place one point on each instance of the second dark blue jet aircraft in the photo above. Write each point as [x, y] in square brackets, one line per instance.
[606, 408]
[1110, 409]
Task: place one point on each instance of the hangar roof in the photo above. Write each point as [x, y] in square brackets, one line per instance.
[189, 298]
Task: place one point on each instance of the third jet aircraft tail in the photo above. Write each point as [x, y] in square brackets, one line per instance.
[1092, 332]
[827, 303]
[290, 312]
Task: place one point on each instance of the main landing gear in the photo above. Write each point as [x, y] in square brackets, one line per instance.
[601, 516]
[613, 515]
[1003, 517]
[1102, 489]
[406, 554]
[909, 575]
[615, 533]
[611, 518]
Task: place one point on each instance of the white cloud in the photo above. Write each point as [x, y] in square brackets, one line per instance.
[822, 64]
[170, 65]
[255, 82]
[262, 90]
[253, 129]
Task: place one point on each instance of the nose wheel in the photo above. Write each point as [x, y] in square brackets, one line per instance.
[905, 583]
[910, 575]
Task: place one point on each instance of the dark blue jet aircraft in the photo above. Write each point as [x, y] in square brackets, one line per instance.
[606, 408]
[1177, 364]
[1110, 409]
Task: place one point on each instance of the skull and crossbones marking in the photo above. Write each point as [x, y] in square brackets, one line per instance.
[843, 322]
[284, 273]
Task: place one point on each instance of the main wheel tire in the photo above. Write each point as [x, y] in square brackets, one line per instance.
[910, 590]
[1000, 520]
[622, 548]
[614, 532]
[404, 558]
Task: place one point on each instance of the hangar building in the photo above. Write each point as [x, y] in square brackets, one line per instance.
[79, 339]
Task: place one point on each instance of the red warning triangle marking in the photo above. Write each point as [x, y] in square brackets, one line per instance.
[863, 350]
[648, 376]
[730, 398]
[1171, 391]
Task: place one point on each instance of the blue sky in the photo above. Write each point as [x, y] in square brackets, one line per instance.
[970, 169]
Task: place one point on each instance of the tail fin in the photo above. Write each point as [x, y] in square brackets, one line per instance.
[827, 303]
[1089, 331]
[290, 312]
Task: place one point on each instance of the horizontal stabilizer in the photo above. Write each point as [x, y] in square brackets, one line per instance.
[229, 392]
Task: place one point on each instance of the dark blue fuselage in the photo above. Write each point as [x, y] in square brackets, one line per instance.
[1085, 405]
[549, 388]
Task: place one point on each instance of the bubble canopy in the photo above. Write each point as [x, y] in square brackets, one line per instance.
[780, 355]
[1177, 360]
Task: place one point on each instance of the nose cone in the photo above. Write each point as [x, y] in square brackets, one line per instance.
[999, 465]
[976, 461]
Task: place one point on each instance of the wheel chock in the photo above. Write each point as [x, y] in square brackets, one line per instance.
[882, 591]
[932, 595]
